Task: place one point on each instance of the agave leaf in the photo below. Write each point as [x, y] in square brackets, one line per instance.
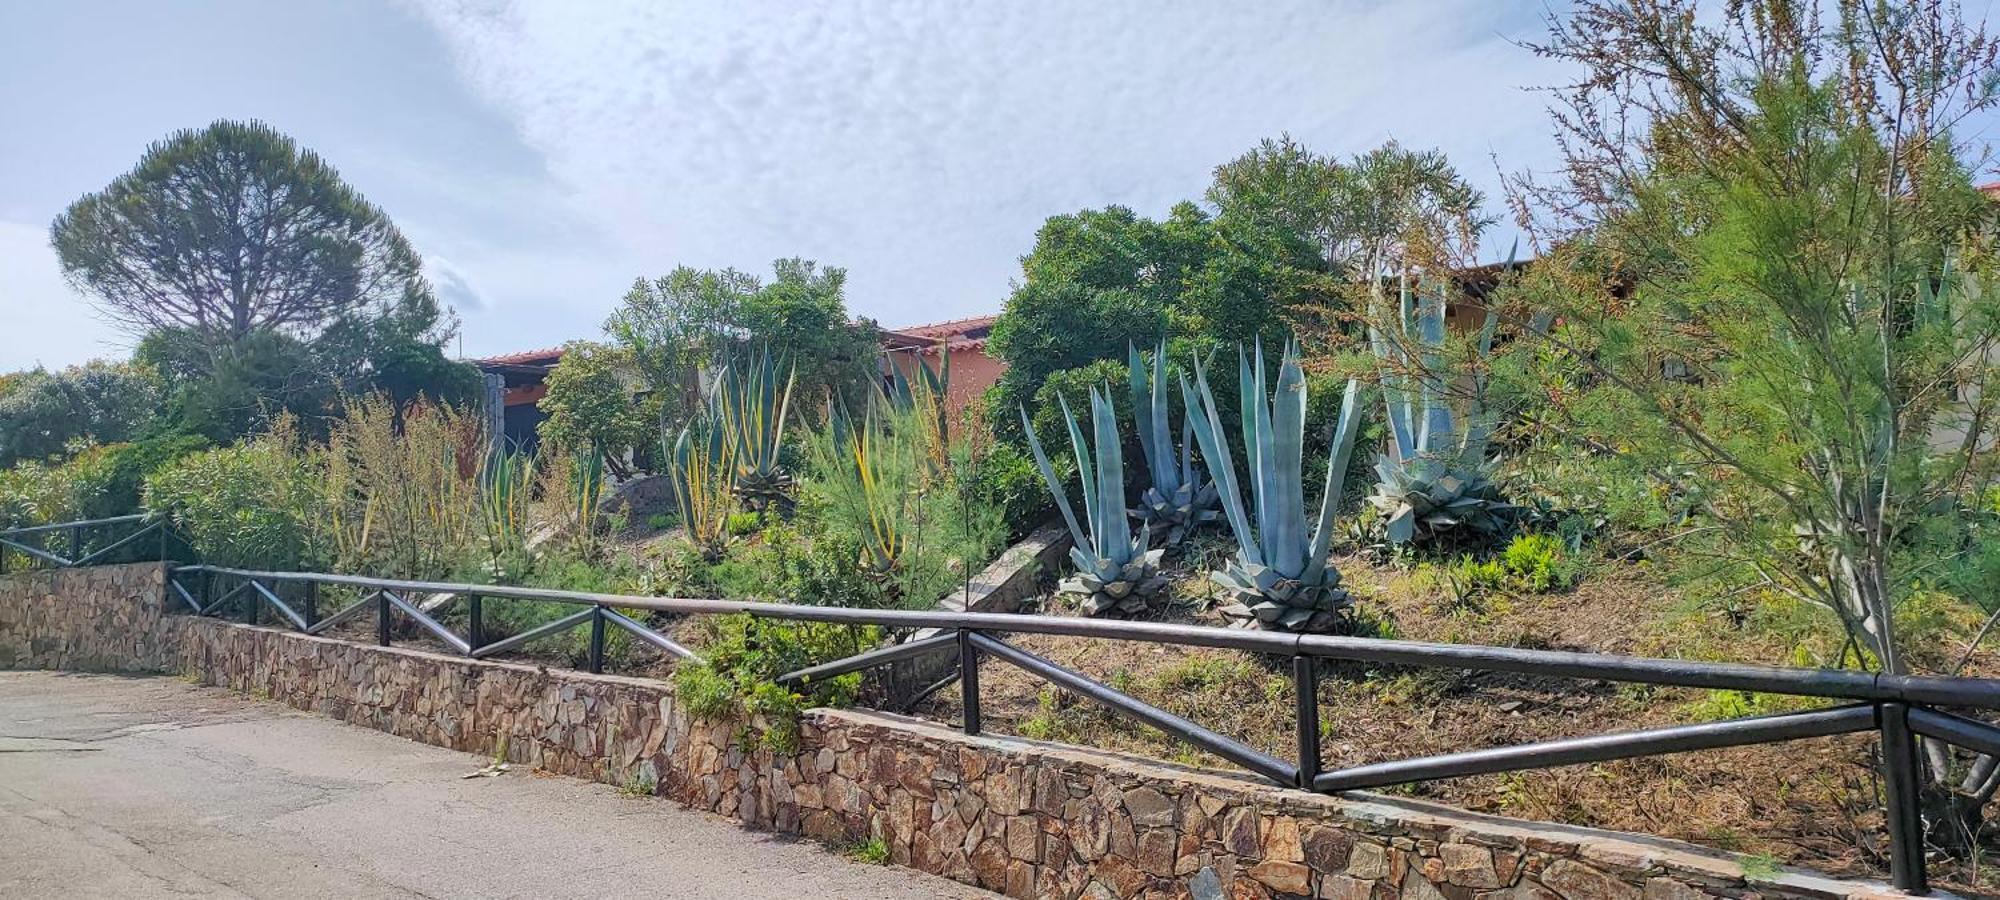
[1200, 403]
[1110, 480]
[1336, 479]
[1076, 533]
[1080, 449]
[1286, 543]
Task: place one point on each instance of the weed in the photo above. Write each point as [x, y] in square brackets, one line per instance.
[1759, 866]
[871, 851]
[641, 784]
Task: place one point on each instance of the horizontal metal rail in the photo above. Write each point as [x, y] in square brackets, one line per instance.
[1836, 684]
[1956, 730]
[81, 523]
[17, 540]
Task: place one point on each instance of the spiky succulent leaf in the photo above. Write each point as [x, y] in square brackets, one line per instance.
[1279, 578]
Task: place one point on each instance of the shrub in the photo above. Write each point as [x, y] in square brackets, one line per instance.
[45, 414]
[1005, 478]
[744, 654]
[1537, 561]
[251, 505]
[400, 498]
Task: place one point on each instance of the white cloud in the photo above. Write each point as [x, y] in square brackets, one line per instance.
[43, 322]
[920, 144]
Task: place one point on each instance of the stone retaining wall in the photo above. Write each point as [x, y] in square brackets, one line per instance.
[1025, 818]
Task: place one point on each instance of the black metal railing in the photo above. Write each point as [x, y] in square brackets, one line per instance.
[390, 598]
[67, 545]
[1898, 708]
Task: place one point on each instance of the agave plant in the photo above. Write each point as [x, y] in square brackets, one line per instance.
[1180, 497]
[506, 487]
[751, 404]
[1436, 478]
[1279, 578]
[704, 477]
[1115, 572]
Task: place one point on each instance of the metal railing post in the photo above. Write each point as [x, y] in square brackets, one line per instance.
[1900, 795]
[597, 640]
[1305, 678]
[250, 605]
[475, 623]
[311, 603]
[968, 680]
[382, 618]
[75, 543]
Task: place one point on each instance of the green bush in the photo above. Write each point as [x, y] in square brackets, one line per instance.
[1006, 478]
[254, 505]
[744, 654]
[1537, 561]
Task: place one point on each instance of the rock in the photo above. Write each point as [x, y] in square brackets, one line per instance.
[1149, 807]
[989, 864]
[1281, 840]
[1327, 848]
[1368, 862]
[1576, 881]
[1205, 885]
[1156, 851]
[1024, 840]
[1669, 889]
[1239, 832]
[1469, 866]
[1341, 887]
[640, 499]
[1290, 877]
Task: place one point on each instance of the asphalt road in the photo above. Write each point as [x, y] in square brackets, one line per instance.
[151, 787]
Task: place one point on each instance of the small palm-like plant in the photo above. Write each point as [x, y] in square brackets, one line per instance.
[925, 396]
[752, 402]
[506, 487]
[704, 475]
[1279, 578]
[1436, 478]
[871, 475]
[1115, 572]
[1181, 497]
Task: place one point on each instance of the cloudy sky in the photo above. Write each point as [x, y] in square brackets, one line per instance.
[542, 154]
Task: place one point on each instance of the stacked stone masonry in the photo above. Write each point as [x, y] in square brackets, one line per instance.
[1023, 818]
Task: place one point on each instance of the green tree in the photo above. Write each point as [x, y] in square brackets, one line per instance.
[1099, 278]
[595, 400]
[43, 413]
[1781, 285]
[229, 230]
[690, 321]
[1388, 212]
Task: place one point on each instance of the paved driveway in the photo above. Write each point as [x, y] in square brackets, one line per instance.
[151, 787]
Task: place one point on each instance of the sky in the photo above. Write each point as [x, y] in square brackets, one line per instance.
[542, 155]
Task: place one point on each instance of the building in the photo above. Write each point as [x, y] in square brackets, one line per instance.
[523, 376]
[523, 382]
[972, 369]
